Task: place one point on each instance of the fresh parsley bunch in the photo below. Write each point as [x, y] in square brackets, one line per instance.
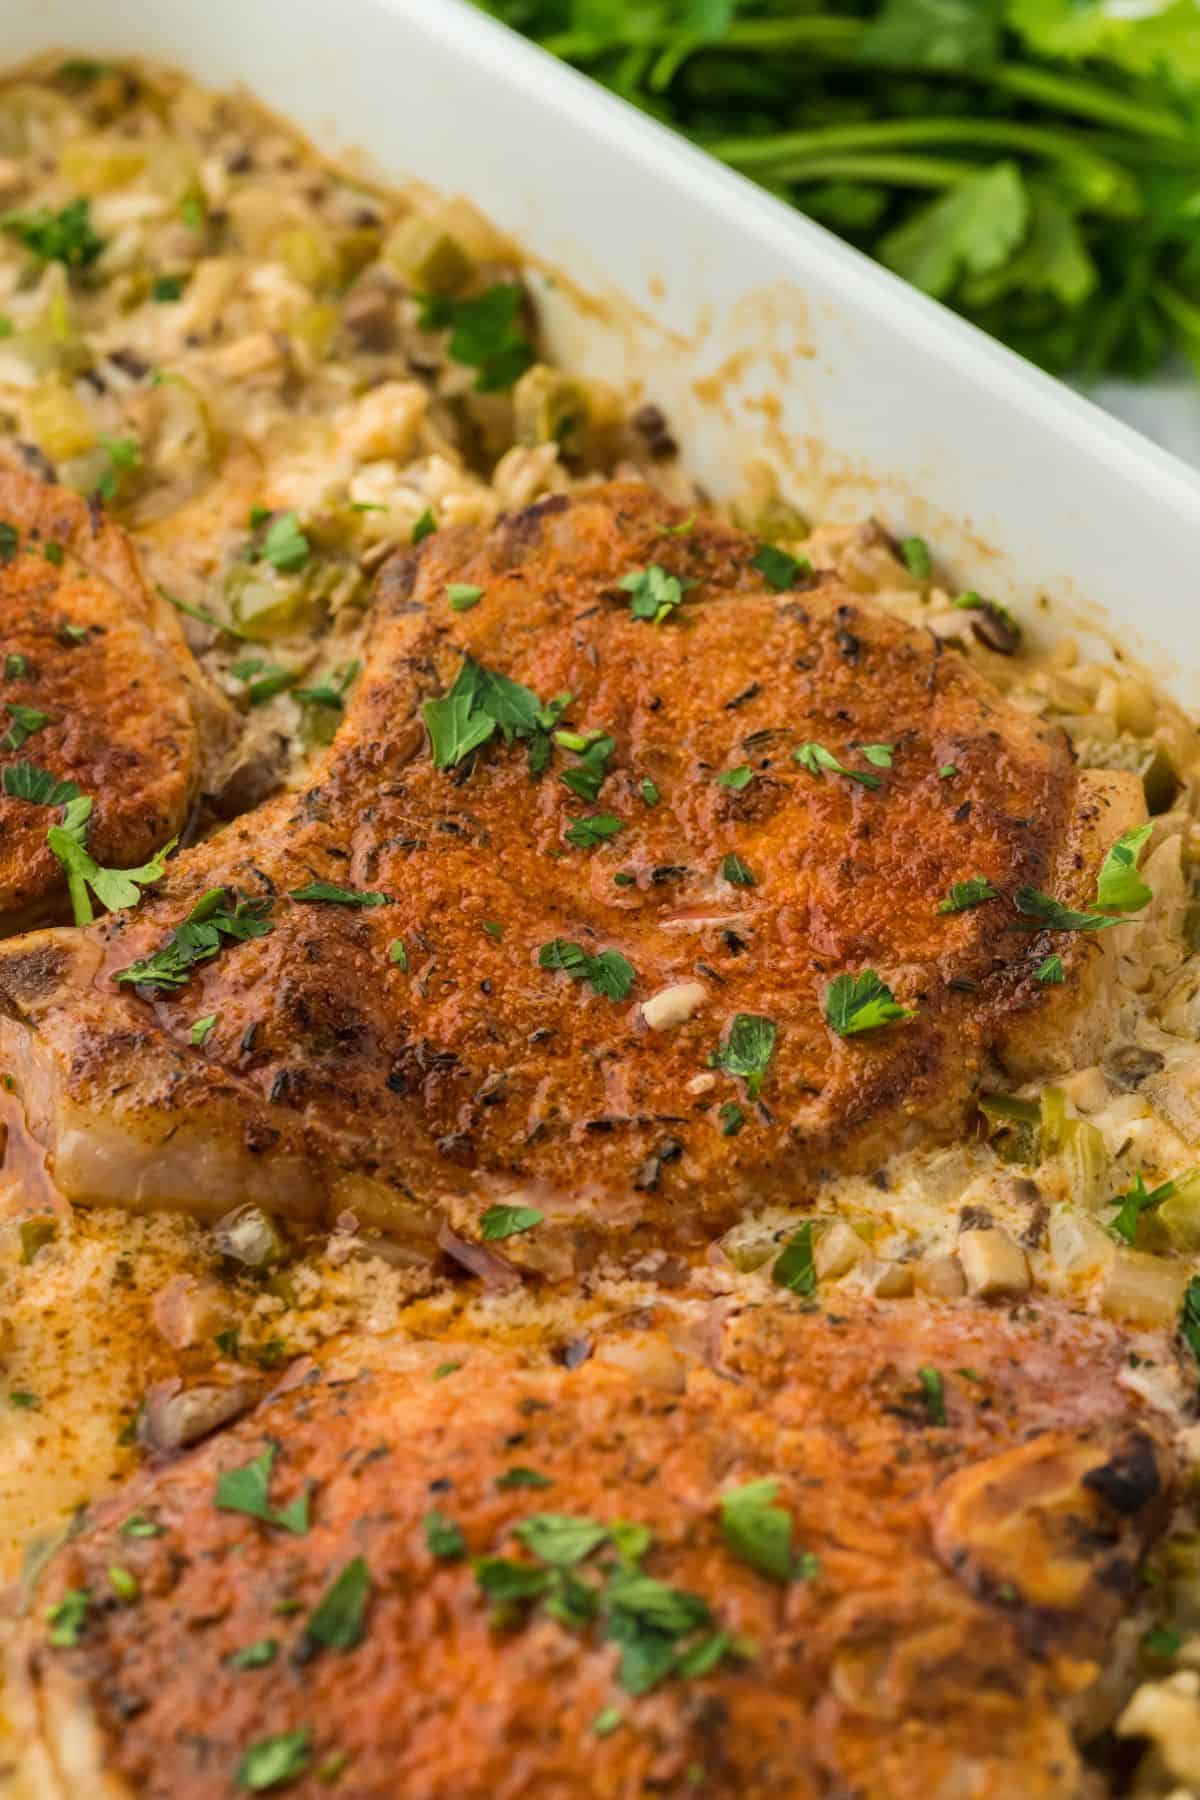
[1034, 163]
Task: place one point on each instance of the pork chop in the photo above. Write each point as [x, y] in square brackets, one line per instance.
[98, 688]
[588, 961]
[490, 1580]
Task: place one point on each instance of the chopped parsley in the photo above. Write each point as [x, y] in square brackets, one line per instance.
[201, 1029]
[53, 553]
[933, 1392]
[1160, 1643]
[914, 553]
[264, 679]
[462, 596]
[794, 1268]
[1189, 1316]
[137, 1525]
[1119, 885]
[443, 1538]
[521, 1477]
[167, 288]
[816, 759]
[124, 458]
[67, 237]
[500, 1222]
[736, 872]
[70, 635]
[338, 1619]
[586, 778]
[328, 893]
[653, 594]
[585, 834]
[486, 333]
[480, 703]
[758, 1531]
[606, 1721]
[1138, 1201]
[26, 1401]
[25, 720]
[26, 781]
[124, 1584]
[732, 1118]
[737, 778]
[1051, 915]
[778, 569]
[494, 929]
[947, 771]
[274, 1761]
[10, 538]
[608, 973]
[1050, 971]
[114, 888]
[256, 1655]
[398, 953]
[424, 527]
[747, 1050]
[861, 1002]
[203, 932]
[649, 791]
[880, 755]
[15, 665]
[69, 1618]
[444, 1369]
[965, 894]
[331, 693]
[246, 1490]
[285, 546]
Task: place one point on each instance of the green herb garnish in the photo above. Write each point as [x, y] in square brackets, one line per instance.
[211, 922]
[862, 1002]
[424, 527]
[1050, 971]
[585, 834]
[747, 1050]
[26, 781]
[443, 1538]
[1138, 1201]
[1119, 885]
[965, 894]
[66, 237]
[247, 1489]
[274, 1761]
[653, 594]
[794, 1268]
[816, 759]
[332, 895]
[608, 973]
[462, 596]
[25, 720]
[933, 1392]
[285, 546]
[69, 1618]
[736, 872]
[914, 553]
[737, 778]
[114, 888]
[778, 569]
[757, 1530]
[486, 333]
[500, 1222]
[338, 1619]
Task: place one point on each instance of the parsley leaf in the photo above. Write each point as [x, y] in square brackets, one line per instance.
[25, 781]
[914, 553]
[66, 237]
[487, 333]
[757, 1530]
[747, 1050]
[521, 1477]
[68, 1619]
[500, 1222]
[462, 596]
[965, 894]
[649, 791]
[443, 1538]
[732, 1118]
[972, 228]
[933, 1391]
[736, 872]
[587, 776]
[114, 888]
[794, 1268]
[257, 1655]
[425, 527]
[337, 1621]
[561, 1539]
[124, 459]
[653, 594]
[1050, 971]
[608, 973]
[202, 1029]
[862, 1002]
[274, 1761]
[25, 721]
[778, 569]
[398, 954]
[816, 758]
[338, 896]
[246, 1490]
[1119, 885]
[585, 834]
[479, 703]
[1052, 915]
[1189, 1317]
[737, 778]
[199, 938]
[1138, 1201]
[285, 546]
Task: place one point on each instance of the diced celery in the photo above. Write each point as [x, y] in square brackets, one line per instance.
[1085, 1158]
[265, 605]
[59, 422]
[1054, 1118]
[426, 257]
[354, 250]
[1180, 1215]
[316, 327]
[308, 256]
[94, 165]
[548, 407]
[774, 521]
[1013, 1127]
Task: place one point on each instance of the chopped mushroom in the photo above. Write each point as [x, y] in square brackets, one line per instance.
[993, 1266]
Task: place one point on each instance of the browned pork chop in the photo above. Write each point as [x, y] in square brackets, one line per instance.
[99, 689]
[552, 1006]
[915, 1604]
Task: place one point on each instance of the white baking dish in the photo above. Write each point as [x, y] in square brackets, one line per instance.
[750, 327]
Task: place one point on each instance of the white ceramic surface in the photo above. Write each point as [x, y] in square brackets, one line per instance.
[756, 328]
